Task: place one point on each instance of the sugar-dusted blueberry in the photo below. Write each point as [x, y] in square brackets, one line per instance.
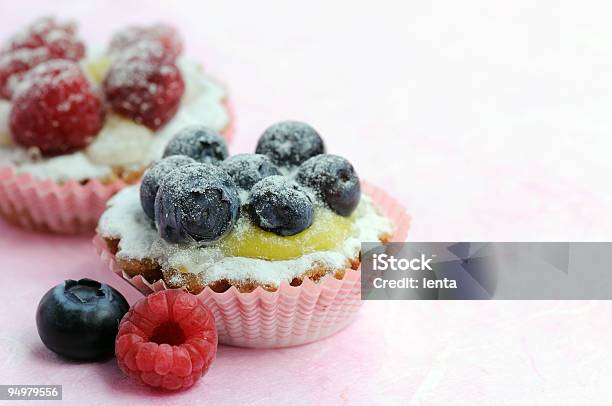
[280, 205]
[334, 179]
[198, 142]
[80, 319]
[197, 202]
[289, 143]
[248, 169]
[153, 177]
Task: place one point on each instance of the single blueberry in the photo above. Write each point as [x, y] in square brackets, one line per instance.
[197, 202]
[289, 143]
[153, 177]
[334, 179]
[80, 319]
[280, 205]
[248, 169]
[198, 142]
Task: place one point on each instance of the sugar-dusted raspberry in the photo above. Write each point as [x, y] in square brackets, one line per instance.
[15, 64]
[167, 340]
[161, 34]
[149, 51]
[58, 37]
[55, 109]
[146, 92]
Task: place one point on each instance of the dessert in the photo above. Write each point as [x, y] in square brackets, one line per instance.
[79, 124]
[244, 222]
[167, 340]
[79, 319]
[289, 217]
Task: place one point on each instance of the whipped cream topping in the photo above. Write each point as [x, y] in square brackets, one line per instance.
[122, 143]
[124, 219]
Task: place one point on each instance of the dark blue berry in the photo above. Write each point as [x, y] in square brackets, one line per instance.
[198, 142]
[334, 179]
[248, 169]
[197, 202]
[153, 177]
[280, 205]
[289, 143]
[80, 319]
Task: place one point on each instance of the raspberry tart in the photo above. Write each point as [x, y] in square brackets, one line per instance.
[270, 241]
[78, 124]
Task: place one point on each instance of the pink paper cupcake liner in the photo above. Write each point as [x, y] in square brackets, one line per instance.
[291, 315]
[67, 208]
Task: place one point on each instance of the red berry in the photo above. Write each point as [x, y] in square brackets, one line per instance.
[15, 64]
[167, 339]
[58, 37]
[55, 109]
[149, 51]
[149, 93]
[165, 36]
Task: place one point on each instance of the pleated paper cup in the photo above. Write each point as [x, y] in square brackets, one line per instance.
[63, 208]
[67, 208]
[291, 315]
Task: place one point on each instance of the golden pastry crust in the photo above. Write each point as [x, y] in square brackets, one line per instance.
[174, 278]
[126, 175]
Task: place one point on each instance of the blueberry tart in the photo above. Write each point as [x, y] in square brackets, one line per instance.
[202, 219]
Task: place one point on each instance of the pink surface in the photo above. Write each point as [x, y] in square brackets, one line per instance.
[489, 121]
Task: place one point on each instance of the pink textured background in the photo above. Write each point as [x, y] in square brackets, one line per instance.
[489, 120]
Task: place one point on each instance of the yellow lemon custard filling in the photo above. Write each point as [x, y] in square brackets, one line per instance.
[327, 232]
[97, 68]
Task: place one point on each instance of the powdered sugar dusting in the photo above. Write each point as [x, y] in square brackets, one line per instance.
[162, 35]
[59, 37]
[125, 220]
[15, 64]
[290, 143]
[293, 203]
[248, 169]
[120, 143]
[42, 28]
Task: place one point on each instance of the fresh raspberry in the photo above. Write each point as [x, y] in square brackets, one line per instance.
[58, 37]
[161, 34]
[146, 92]
[167, 339]
[55, 109]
